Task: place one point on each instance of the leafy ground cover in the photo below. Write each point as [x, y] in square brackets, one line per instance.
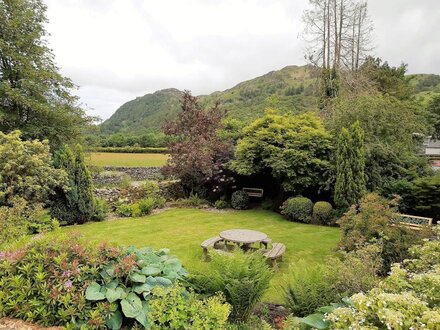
[182, 230]
[127, 159]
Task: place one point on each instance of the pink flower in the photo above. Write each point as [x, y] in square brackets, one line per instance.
[68, 284]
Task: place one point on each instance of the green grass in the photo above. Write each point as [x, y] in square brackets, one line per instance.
[182, 230]
[127, 159]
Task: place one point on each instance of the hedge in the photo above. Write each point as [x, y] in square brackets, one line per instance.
[132, 150]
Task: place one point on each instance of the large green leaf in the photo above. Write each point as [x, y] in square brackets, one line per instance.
[112, 295]
[138, 278]
[316, 321]
[173, 264]
[151, 270]
[140, 288]
[94, 292]
[115, 321]
[131, 306]
[163, 281]
[142, 317]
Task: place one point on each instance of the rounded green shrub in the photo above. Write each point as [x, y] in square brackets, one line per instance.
[297, 209]
[220, 204]
[322, 213]
[240, 200]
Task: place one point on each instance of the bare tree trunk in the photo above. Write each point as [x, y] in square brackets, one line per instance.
[328, 33]
[324, 34]
[358, 44]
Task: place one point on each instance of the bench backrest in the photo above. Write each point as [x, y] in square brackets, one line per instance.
[254, 192]
[413, 221]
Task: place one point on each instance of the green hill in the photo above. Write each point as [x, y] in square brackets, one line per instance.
[288, 89]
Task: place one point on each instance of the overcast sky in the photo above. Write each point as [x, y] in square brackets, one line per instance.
[116, 50]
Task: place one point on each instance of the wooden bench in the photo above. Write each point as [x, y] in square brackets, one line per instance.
[254, 192]
[276, 253]
[208, 244]
[412, 221]
[265, 242]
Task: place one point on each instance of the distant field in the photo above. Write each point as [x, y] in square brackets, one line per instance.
[127, 159]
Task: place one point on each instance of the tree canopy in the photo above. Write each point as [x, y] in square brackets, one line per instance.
[34, 97]
[293, 149]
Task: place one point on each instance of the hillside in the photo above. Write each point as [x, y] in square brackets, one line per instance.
[288, 89]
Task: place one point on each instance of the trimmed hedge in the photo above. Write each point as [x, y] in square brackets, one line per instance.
[131, 150]
[297, 209]
[322, 213]
[240, 200]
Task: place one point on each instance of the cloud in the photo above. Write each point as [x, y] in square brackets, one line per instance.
[116, 50]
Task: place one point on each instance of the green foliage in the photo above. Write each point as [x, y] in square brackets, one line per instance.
[323, 213]
[176, 308]
[408, 298]
[242, 277]
[350, 183]
[309, 287]
[245, 102]
[427, 197]
[100, 209]
[388, 124]
[221, 204]
[22, 219]
[35, 97]
[297, 209]
[140, 208]
[240, 200]
[371, 222]
[130, 150]
[129, 280]
[75, 204]
[294, 150]
[43, 282]
[26, 170]
[434, 111]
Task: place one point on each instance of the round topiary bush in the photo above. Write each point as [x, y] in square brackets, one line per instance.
[240, 200]
[322, 213]
[297, 209]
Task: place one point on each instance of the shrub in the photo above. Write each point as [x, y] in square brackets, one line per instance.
[176, 308]
[44, 282]
[220, 204]
[22, 219]
[136, 150]
[297, 209]
[370, 222]
[240, 200]
[129, 280]
[75, 204]
[243, 278]
[322, 213]
[311, 286]
[152, 188]
[407, 299]
[125, 210]
[100, 210]
[26, 170]
[146, 205]
[267, 204]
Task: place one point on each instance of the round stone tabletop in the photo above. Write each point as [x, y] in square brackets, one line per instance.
[245, 236]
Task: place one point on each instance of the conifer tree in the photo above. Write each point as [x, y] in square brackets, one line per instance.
[350, 167]
[76, 203]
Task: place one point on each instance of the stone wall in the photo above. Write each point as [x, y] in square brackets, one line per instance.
[115, 175]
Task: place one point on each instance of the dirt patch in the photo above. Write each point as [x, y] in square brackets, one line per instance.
[12, 324]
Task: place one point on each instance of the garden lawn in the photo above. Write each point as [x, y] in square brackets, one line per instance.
[126, 159]
[182, 231]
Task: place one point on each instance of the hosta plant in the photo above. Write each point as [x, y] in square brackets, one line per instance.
[130, 280]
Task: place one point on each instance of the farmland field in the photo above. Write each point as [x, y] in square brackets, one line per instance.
[126, 159]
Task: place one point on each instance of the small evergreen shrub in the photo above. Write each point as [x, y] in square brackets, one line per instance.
[124, 210]
[240, 200]
[176, 308]
[141, 207]
[242, 277]
[100, 210]
[322, 213]
[297, 209]
[220, 204]
[146, 205]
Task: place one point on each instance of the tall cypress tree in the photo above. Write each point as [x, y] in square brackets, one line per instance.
[76, 203]
[350, 167]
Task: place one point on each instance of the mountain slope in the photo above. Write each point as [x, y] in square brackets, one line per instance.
[289, 90]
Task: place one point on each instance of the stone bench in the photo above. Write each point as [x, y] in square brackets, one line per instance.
[276, 253]
[209, 244]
